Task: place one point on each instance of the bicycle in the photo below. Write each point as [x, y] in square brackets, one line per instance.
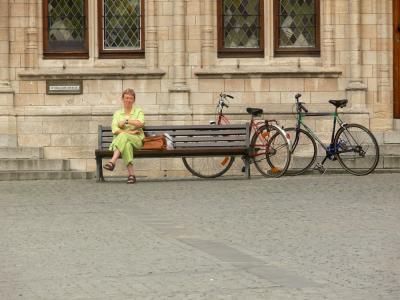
[349, 144]
[275, 152]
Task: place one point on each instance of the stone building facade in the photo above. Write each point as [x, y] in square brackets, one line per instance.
[181, 55]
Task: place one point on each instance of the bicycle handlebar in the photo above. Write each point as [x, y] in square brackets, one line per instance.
[225, 95]
[222, 99]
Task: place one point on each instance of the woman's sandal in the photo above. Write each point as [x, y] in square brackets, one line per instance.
[131, 179]
[109, 166]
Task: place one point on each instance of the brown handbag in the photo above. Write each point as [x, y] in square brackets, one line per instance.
[156, 142]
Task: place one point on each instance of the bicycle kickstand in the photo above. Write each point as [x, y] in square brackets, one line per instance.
[320, 166]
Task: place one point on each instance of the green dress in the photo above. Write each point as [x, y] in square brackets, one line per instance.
[124, 142]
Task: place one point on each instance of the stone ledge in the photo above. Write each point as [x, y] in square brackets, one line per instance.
[268, 72]
[92, 74]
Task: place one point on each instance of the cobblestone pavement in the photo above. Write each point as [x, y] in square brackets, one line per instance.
[307, 237]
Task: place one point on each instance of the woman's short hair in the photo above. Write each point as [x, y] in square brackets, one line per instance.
[129, 92]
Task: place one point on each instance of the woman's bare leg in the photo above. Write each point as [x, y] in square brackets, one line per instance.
[116, 155]
[130, 170]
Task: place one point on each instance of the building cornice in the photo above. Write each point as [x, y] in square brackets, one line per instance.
[92, 74]
[268, 72]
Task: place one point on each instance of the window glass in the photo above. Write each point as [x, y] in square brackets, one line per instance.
[66, 25]
[122, 24]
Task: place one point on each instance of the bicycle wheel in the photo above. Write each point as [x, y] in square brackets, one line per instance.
[270, 151]
[304, 151]
[208, 167]
[358, 151]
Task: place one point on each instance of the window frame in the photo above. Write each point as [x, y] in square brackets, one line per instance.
[239, 52]
[305, 51]
[52, 54]
[104, 53]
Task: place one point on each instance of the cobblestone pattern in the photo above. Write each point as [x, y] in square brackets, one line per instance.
[309, 237]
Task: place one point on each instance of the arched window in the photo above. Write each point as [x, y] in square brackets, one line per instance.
[297, 27]
[65, 29]
[121, 28]
[240, 28]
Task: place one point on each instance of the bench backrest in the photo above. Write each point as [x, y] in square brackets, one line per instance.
[191, 136]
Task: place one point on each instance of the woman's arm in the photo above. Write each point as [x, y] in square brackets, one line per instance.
[126, 131]
[136, 123]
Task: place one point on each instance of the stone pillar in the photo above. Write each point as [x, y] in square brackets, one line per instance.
[179, 92]
[207, 43]
[8, 137]
[383, 105]
[4, 47]
[31, 34]
[328, 43]
[151, 37]
[356, 89]
[179, 36]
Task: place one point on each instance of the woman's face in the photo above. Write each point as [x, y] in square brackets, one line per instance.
[128, 100]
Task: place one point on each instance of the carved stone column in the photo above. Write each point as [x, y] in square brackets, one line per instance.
[207, 43]
[151, 37]
[328, 43]
[179, 92]
[5, 47]
[8, 137]
[356, 89]
[179, 35]
[31, 33]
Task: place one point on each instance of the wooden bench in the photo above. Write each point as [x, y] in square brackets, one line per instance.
[190, 141]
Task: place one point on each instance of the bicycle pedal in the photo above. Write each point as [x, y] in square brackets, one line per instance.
[321, 169]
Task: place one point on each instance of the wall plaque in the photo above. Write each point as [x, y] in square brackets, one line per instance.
[63, 87]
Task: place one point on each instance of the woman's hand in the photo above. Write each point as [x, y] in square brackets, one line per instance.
[121, 124]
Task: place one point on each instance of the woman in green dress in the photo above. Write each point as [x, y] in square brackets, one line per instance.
[127, 127]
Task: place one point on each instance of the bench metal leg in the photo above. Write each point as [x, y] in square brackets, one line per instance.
[99, 170]
[247, 167]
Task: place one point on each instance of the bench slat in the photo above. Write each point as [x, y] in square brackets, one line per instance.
[197, 144]
[210, 138]
[210, 144]
[223, 151]
[183, 127]
[205, 132]
[196, 138]
[190, 132]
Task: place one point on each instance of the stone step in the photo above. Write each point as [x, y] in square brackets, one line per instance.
[396, 124]
[384, 149]
[34, 165]
[391, 137]
[44, 175]
[389, 149]
[386, 162]
[21, 152]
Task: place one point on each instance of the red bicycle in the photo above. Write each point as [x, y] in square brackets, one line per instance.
[269, 147]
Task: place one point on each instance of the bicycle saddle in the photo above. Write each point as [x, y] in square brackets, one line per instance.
[254, 111]
[339, 103]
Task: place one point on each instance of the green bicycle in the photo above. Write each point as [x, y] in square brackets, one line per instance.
[353, 145]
